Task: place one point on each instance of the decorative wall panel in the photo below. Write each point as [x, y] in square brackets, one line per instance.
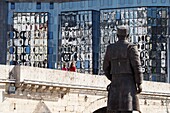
[27, 44]
[158, 23]
[76, 40]
[148, 30]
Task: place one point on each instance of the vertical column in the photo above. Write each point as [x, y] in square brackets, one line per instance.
[1, 96]
[95, 41]
[2, 89]
[3, 30]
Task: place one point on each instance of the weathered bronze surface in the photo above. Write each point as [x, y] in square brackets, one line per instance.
[123, 68]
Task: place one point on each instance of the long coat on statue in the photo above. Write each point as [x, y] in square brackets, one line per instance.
[122, 67]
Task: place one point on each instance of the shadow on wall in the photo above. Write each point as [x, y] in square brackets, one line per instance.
[101, 110]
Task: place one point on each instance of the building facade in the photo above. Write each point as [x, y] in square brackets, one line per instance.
[49, 33]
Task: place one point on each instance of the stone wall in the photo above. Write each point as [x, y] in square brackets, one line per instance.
[84, 93]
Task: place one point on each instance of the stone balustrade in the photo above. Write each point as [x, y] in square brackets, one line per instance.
[69, 92]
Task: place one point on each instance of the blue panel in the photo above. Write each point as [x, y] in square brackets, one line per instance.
[87, 64]
[149, 13]
[49, 57]
[11, 50]
[50, 65]
[12, 5]
[90, 3]
[153, 78]
[11, 35]
[109, 2]
[50, 43]
[50, 35]
[138, 1]
[38, 6]
[82, 4]
[27, 50]
[63, 5]
[122, 2]
[95, 40]
[51, 5]
[101, 2]
[118, 16]
[11, 63]
[71, 5]
[54, 57]
[154, 12]
[163, 1]
[50, 50]
[131, 2]
[154, 1]
[51, 19]
[29, 6]
[78, 64]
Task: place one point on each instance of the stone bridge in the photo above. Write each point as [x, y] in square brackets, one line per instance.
[38, 90]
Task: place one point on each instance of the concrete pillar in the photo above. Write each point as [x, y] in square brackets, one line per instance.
[2, 91]
[1, 96]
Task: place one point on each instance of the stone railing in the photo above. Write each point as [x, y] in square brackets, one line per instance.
[57, 83]
[53, 77]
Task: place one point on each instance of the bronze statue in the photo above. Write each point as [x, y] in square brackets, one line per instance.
[122, 67]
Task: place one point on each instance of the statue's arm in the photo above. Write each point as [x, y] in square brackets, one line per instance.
[107, 64]
[136, 64]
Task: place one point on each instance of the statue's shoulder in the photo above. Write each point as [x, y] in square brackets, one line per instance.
[111, 45]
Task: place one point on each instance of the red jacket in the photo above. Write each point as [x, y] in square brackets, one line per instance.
[73, 69]
[64, 69]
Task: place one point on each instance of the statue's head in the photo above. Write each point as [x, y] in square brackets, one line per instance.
[122, 32]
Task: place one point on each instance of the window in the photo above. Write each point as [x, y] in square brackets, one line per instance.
[51, 5]
[38, 6]
[12, 5]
